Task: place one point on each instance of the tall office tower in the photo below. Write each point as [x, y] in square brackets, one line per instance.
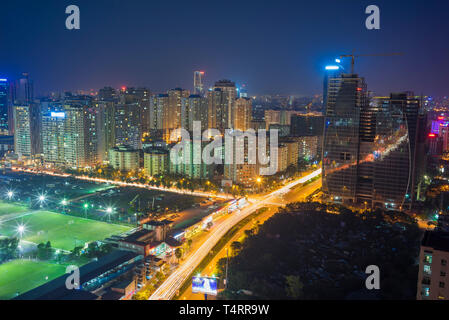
[347, 97]
[371, 150]
[243, 114]
[22, 90]
[243, 91]
[406, 164]
[198, 83]
[229, 88]
[128, 130]
[21, 93]
[331, 72]
[4, 106]
[194, 108]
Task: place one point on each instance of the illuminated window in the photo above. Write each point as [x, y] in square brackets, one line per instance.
[427, 269]
[426, 292]
[428, 258]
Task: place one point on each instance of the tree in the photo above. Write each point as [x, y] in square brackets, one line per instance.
[44, 251]
[77, 251]
[8, 248]
[294, 287]
[236, 247]
[178, 253]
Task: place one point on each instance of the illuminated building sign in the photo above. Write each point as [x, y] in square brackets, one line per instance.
[57, 114]
[206, 285]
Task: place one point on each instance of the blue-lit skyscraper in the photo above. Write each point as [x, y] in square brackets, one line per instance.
[4, 105]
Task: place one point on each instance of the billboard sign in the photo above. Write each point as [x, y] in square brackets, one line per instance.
[205, 285]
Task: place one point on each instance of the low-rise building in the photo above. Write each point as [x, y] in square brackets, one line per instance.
[155, 161]
[124, 158]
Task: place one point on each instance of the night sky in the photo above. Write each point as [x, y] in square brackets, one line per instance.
[273, 46]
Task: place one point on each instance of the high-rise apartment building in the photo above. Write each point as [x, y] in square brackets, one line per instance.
[194, 108]
[128, 128]
[21, 93]
[306, 125]
[27, 139]
[22, 136]
[225, 113]
[242, 114]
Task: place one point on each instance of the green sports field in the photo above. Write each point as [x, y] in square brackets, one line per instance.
[7, 208]
[23, 275]
[62, 231]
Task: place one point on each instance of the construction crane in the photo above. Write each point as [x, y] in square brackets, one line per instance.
[353, 56]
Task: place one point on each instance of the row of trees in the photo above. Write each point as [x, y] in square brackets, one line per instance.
[8, 248]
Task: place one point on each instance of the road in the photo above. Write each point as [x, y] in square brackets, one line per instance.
[295, 195]
[174, 282]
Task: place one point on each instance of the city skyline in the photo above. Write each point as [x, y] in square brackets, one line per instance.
[235, 43]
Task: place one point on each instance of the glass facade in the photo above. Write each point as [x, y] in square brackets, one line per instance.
[369, 158]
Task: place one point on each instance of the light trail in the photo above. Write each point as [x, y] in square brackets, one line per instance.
[173, 283]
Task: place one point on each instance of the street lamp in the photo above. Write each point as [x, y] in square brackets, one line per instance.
[109, 211]
[64, 203]
[20, 230]
[10, 194]
[41, 198]
[86, 206]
